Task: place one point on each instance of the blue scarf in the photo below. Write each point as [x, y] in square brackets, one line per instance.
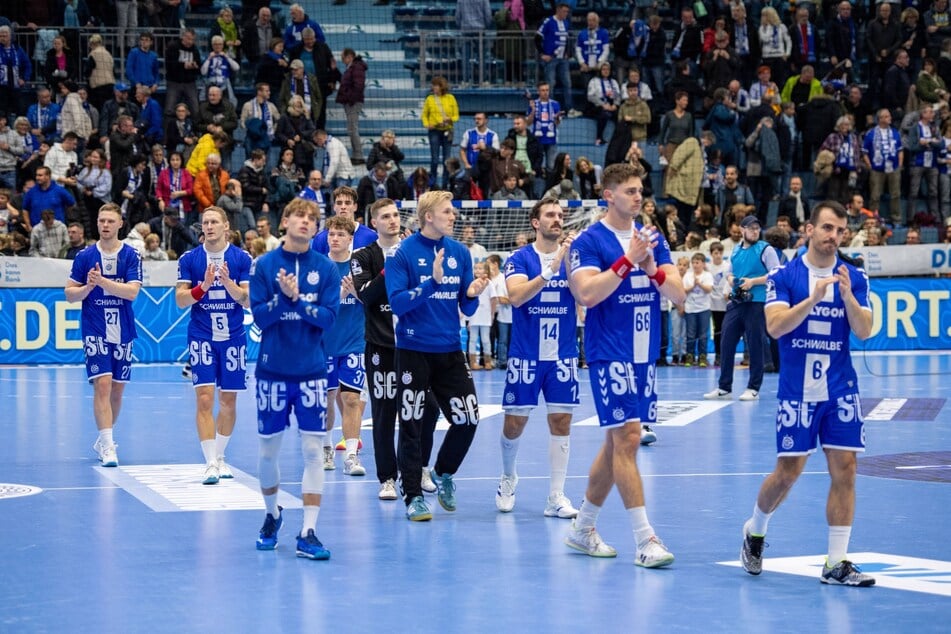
[9, 66]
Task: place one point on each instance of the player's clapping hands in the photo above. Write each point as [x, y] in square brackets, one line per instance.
[288, 284]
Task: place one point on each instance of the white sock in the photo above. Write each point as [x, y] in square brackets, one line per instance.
[328, 439]
[352, 445]
[209, 450]
[270, 503]
[587, 514]
[838, 544]
[105, 437]
[642, 527]
[558, 451]
[509, 453]
[221, 443]
[310, 519]
[759, 521]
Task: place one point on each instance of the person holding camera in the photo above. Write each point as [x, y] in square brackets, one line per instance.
[751, 261]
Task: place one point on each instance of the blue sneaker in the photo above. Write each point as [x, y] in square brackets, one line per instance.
[445, 490]
[418, 511]
[310, 547]
[267, 539]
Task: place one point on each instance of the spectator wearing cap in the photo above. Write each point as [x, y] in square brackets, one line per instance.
[751, 261]
[302, 84]
[119, 105]
[142, 64]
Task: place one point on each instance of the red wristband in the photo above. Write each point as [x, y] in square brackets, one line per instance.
[660, 277]
[622, 267]
[197, 293]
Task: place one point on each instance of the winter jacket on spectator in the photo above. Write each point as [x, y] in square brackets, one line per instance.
[204, 194]
[253, 183]
[353, 83]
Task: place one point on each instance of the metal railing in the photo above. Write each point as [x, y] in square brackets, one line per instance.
[500, 58]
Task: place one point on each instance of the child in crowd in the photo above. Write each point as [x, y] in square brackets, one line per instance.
[153, 252]
[698, 283]
[678, 326]
[480, 323]
[720, 270]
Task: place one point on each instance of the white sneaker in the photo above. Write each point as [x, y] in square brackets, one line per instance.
[560, 506]
[427, 482]
[388, 490]
[505, 494]
[648, 435]
[588, 541]
[224, 471]
[329, 459]
[107, 454]
[653, 554]
[719, 395]
[352, 466]
[211, 473]
[749, 395]
[574, 114]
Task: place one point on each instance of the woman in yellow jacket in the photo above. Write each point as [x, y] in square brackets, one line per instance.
[209, 143]
[440, 113]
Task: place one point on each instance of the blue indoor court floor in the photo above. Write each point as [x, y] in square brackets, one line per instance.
[146, 548]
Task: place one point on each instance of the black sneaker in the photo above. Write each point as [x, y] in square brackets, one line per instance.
[751, 554]
[845, 573]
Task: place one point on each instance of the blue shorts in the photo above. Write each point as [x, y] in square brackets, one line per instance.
[219, 363]
[346, 372]
[616, 399]
[104, 358]
[836, 424]
[278, 399]
[646, 377]
[525, 379]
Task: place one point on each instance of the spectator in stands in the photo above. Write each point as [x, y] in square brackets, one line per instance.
[913, 236]
[99, 69]
[929, 87]
[15, 71]
[217, 114]
[258, 33]
[60, 64]
[551, 42]
[149, 122]
[509, 189]
[722, 121]
[226, 28]
[803, 87]
[676, 127]
[271, 241]
[593, 47]
[76, 241]
[845, 145]
[857, 214]
[152, 251]
[856, 105]
[744, 39]
[219, 67]
[313, 191]
[764, 89]
[504, 164]
[336, 166]
[293, 34]
[589, 178]
[210, 182]
[43, 116]
[776, 44]
[254, 184]
[182, 68]
[377, 184]
[545, 116]
[351, 97]
[924, 143]
[733, 193]
[387, 151]
[806, 45]
[417, 184]
[816, 121]
[47, 195]
[273, 67]
[48, 237]
[604, 95]
[476, 148]
[142, 64]
[11, 149]
[914, 40]
[286, 180]
[460, 181]
[62, 161]
[687, 41]
[897, 84]
[304, 85]
[318, 62]
[528, 152]
[561, 170]
[175, 188]
[842, 33]
[174, 235]
[440, 114]
[635, 112]
[794, 205]
[295, 131]
[232, 201]
[937, 22]
[721, 64]
[130, 190]
[116, 107]
[155, 167]
[180, 133]
[476, 250]
[947, 234]
[209, 143]
[259, 118]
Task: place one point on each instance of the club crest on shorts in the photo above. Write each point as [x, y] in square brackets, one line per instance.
[451, 262]
[787, 443]
[407, 377]
[510, 398]
[618, 414]
[94, 368]
[375, 359]
[313, 277]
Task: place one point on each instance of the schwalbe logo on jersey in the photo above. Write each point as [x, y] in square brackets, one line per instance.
[313, 278]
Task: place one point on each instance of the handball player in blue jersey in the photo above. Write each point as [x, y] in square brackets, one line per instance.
[213, 280]
[295, 295]
[345, 204]
[429, 281]
[543, 354]
[106, 278]
[605, 264]
[344, 343]
[813, 305]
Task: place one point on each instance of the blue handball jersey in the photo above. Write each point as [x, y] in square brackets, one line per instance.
[543, 328]
[346, 336]
[216, 316]
[362, 237]
[816, 360]
[105, 315]
[626, 325]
